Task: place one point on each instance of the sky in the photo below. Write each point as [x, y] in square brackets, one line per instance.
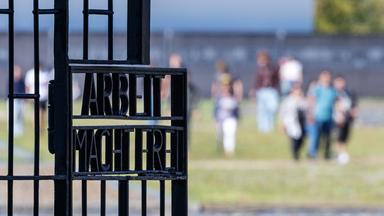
[233, 15]
[187, 15]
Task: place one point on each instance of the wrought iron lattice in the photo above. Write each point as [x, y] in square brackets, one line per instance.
[144, 146]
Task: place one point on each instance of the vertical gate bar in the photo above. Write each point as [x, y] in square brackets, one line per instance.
[150, 153]
[123, 198]
[162, 198]
[70, 148]
[156, 95]
[147, 95]
[110, 57]
[84, 187]
[132, 94]
[85, 28]
[138, 150]
[128, 26]
[146, 31]
[36, 105]
[138, 31]
[102, 198]
[11, 57]
[110, 30]
[62, 123]
[84, 197]
[179, 108]
[144, 198]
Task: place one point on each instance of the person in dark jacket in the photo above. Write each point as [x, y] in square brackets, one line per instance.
[344, 115]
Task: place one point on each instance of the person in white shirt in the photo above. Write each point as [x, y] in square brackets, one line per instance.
[227, 113]
[44, 77]
[291, 72]
[292, 116]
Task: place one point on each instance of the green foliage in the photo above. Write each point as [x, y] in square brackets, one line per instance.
[350, 16]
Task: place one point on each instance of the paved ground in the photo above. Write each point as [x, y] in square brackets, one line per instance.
[270, 210]
[23, 202]
[292, 211]
[23, 194]
[261, 212]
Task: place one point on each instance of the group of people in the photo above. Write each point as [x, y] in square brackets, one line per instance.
[326, 106]
[278, 90]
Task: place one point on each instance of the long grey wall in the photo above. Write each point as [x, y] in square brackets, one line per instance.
[360, 59]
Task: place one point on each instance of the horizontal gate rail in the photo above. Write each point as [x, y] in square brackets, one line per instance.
[45, 11]
[169, 172]
[94, 61]
[100, 12]
[6, 11]
[32, 178]
[86, 127]
[129, 178]
[135, 69]
[143, 118]
[26, 96]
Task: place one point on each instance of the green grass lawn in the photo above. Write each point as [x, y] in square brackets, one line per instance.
[25, 142]
[262, 172]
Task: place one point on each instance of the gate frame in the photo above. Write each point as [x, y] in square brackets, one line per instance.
[61, 116]
[138, 43]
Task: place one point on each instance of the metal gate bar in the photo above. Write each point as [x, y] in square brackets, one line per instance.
[60, 135]
[37, 66]
[11, 50]
[12, 96]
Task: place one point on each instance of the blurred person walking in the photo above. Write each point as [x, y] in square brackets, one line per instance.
[222, 78]
[45, 77]
[265, 88]
[19, 88]
[227, 115]
[344, 115]
[222, 72]
[292, 115]
[290, 72]
[324, 97]
[311, 129]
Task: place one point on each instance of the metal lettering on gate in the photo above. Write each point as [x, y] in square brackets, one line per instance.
[119, 133]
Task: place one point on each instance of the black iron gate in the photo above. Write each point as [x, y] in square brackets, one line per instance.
[119, 133]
